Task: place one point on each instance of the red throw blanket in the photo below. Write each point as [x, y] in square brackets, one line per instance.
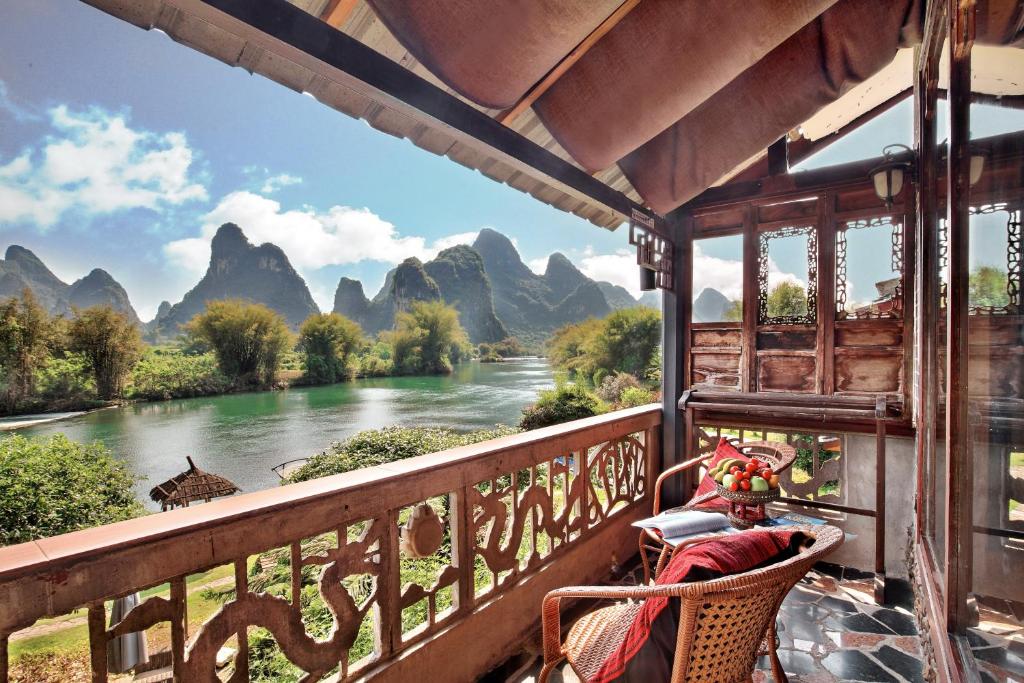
[702, 561]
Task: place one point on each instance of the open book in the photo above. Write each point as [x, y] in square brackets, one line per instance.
[675, 526]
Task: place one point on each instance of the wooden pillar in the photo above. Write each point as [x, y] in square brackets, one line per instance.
[959, 465]
[675, 441]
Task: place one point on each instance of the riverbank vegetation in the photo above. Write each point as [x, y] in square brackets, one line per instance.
[607, 364]
[51, 486]
[95, 356]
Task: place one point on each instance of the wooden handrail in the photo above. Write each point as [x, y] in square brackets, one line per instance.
[499, 495]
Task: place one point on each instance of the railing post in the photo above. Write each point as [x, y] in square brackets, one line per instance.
[241, 593]
[4, 663]
[460, 524]
[98, 642]
[179, 624]
[391, 587]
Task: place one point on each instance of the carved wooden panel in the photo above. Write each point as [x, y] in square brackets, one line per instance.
[996, 372]
[719, 337]
[785, 372]
[787, 340]
[867, 371]
[715, 370]
[869, 333]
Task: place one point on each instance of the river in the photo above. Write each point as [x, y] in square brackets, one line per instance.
[242, 436]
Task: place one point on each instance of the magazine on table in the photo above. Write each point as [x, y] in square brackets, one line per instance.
[682, 524]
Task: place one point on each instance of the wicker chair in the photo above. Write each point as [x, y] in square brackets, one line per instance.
[779, 455]
[721, 622]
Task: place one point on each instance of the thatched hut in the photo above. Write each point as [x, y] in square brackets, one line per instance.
[191, 485]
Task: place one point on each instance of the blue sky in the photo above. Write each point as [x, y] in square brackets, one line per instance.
[192, 140]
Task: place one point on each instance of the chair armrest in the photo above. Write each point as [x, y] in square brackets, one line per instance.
[672, 471]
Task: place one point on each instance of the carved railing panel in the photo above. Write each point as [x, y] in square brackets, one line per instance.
[335, 575]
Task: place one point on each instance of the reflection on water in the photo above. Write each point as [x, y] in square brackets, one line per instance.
[241, 436]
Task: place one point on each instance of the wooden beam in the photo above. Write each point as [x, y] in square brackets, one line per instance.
[506, 117]
[301, 37]
[675, 436]
[337, 12]
[959, 455]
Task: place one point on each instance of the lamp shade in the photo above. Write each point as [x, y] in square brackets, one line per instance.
[888, 180]
[977, 166]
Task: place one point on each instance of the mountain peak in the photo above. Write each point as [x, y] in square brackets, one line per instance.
[239, 270]
[229, 238]
[99, 288]
[562, 277]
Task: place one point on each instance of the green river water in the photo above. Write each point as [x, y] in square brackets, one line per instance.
[242, 436]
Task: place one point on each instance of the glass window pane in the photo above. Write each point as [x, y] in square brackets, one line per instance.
[718, 280]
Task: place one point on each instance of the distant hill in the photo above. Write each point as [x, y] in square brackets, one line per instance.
[21, 269]
[533, 306]
[241, 270]
[496, 294]
[710, 306]
[456, 276]
[651, 299]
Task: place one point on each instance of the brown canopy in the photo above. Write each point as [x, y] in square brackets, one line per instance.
[679, 93]
[191, 485]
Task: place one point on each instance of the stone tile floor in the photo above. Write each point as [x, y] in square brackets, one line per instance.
[830, 630]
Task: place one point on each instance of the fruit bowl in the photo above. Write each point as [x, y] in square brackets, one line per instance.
[748, 497]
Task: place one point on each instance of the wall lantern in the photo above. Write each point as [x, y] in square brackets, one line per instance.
[889, 176]
[654, 252]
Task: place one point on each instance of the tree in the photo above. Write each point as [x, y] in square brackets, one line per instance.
[248, 339]
[787, 298]
[27, 338]
[987, 287]
[627, 340]
[110, 343]
[54, 486]
[427, 338]
[328, 341]
[734, 313]
[569, 347]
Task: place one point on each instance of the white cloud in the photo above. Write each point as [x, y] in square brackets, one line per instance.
[94, 163]
[538, 265]
[275, 183]
[312, 239]
[619, 269]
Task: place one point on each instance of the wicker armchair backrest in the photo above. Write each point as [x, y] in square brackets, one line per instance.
[722, 622]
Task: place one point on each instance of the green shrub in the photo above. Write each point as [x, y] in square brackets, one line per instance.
[564, 403]
[52, 485]
[168, 373]
[610, 390]
[632, 397]
[68, 380]
[599, 376]
[379, 446]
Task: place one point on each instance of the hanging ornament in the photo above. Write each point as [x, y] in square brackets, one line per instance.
[422, 533]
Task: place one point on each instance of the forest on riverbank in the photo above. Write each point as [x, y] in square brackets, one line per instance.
[96, 356]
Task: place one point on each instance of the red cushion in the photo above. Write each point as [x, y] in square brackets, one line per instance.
[707, 484]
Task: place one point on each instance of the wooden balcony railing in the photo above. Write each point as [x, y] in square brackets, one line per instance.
[521, 515]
